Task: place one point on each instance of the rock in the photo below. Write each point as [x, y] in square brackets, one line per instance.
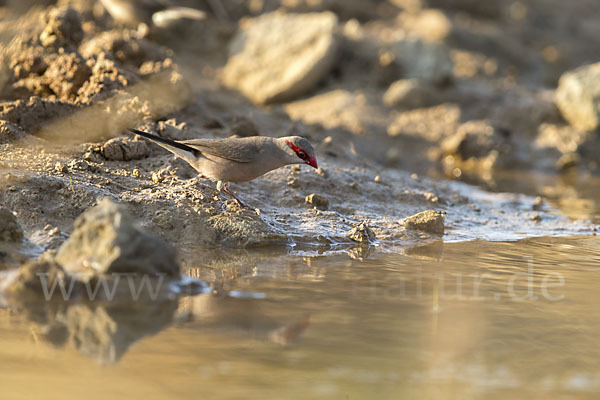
[60, 167]
[578, 97]
[10, 133]
[62, 28]
[475, 139]
[430, 24]
[429, 221]
[334, 109]
[563, 139]
[277, 57]
[294, 182]
[243, 127]
[432, 124]
[536, 218]
[317, 201]
[10, 230]
[362, 234]
[34, 279]
[171, 129]
[107, 240]
[409, 93]
[240, 229]
[487, 9]
[427, 61]
[125, 47]
[66, 74]
[125, 149]
[567, 161]
[538, 204]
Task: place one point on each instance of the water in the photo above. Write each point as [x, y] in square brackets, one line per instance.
[471, 320]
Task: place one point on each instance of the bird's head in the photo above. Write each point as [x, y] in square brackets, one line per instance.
[303, 150]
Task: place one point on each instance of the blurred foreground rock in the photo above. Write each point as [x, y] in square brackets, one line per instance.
[107, 240]
[277, 56]
[578, 97]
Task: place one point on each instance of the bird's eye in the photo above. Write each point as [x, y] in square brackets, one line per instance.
[301, 154]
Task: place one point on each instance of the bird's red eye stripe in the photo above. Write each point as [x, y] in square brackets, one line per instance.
[297, 150]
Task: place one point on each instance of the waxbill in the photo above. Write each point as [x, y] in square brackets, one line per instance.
[238, 159]
[160, 13]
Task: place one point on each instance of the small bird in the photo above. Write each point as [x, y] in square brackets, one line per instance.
[158, 13]
[238, 159]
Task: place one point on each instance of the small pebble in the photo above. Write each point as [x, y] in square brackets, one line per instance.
[536, 218]
[378, 179]
[295, 168]
[327, 141]
[431, 197]
[136, 172]
[58, 167]
[362, 234]
[294, 182]
[320, 171]
[539, 203]
[156, 178]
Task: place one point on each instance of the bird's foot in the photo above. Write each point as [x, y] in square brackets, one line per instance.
[225, 189]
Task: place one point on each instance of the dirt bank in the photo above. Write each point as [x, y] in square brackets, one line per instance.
[378, 94]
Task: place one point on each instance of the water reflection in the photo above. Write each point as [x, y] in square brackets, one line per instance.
[472, 320]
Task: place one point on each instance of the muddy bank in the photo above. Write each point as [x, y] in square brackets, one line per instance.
[372, 88]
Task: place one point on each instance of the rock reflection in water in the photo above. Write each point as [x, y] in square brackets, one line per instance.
[105, 330]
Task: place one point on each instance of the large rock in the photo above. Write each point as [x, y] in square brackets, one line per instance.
[107, 240]
[578, 97]
[277, 57]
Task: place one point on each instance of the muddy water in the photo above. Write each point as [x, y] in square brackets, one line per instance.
[472, 320]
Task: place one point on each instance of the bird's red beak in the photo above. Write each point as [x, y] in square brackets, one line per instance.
[312, 162]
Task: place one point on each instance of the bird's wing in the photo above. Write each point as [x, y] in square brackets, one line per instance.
[239, 150]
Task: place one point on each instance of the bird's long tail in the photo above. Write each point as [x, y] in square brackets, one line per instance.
[184, 151]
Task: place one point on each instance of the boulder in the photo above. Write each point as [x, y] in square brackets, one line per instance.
[277, 57]
[107, 240]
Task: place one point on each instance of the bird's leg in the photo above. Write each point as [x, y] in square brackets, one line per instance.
[224, 187]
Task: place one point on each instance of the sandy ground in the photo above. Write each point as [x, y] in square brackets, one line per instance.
[73, 79]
